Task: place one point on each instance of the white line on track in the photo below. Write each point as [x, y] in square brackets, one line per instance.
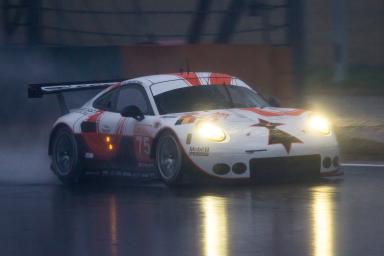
[363, 165]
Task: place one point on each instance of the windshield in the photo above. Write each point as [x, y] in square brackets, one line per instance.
[197, 98]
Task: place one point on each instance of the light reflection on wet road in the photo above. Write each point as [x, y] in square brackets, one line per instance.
[343, 216]
[322, 221]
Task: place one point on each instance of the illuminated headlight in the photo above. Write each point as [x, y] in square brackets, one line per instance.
[320, 124]
[210, 131]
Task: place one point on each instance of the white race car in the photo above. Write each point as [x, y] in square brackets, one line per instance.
[180, 126]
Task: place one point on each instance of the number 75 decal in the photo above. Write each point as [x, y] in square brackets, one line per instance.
[142, 147]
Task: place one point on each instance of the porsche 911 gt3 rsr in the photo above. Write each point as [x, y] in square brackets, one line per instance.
[177, 126]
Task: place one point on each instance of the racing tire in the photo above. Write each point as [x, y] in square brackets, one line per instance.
[66, 163]
[170, 160]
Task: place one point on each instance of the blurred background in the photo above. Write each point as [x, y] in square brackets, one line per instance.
[323, 55]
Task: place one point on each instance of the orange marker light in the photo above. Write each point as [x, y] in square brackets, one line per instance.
[110, 147]
[107, 139]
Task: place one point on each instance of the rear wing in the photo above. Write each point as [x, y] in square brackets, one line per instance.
[39, 90]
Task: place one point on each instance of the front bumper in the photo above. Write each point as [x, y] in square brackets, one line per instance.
[337, 172]
[321, 161]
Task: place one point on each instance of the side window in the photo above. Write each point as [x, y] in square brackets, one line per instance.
[132, 95]
[106, 101]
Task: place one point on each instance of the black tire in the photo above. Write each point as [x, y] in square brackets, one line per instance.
[170, 160]
[66, 163]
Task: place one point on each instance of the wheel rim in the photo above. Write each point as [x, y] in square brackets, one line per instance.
[64, 154]
[168, 158]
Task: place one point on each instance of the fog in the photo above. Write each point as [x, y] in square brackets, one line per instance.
[27, 163]
[25, 123]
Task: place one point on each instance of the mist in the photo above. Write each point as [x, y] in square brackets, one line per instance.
[25, 123]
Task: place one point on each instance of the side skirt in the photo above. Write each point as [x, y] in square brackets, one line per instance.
[123, 165]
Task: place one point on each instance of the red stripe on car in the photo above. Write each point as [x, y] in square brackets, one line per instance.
[190, 77]
[99, 143]
[219, 79]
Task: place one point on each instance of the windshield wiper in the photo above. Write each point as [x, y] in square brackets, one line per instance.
[229, 96]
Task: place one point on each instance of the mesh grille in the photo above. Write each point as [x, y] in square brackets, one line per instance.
[285, 166]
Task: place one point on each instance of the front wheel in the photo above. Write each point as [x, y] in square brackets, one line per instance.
[169, 159]
[65, 156]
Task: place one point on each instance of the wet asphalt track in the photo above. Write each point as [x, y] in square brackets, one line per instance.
[339, 216]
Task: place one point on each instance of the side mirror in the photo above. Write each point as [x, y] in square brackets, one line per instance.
[132, 111]
[274, 102]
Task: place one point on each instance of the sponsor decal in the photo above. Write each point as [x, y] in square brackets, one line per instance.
[122, 173]
[198, 151]
[188, 119]
[277, 136]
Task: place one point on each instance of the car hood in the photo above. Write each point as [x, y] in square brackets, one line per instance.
[244, 117]
[252, 129]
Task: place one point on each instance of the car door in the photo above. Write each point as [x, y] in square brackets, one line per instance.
[96, 131]
[129, 138]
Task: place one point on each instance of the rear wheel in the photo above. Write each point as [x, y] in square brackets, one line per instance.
[169, 159]
[65, 156]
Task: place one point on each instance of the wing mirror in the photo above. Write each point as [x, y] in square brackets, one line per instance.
[132, 111]
[274, 102]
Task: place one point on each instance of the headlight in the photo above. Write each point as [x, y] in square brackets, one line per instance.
[210, 131]
[320, 124]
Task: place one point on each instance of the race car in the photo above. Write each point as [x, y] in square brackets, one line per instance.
[184, 125]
